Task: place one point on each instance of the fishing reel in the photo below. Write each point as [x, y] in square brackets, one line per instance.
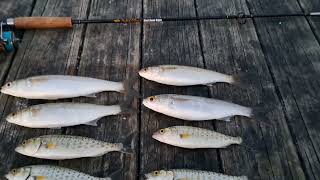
[8, 40]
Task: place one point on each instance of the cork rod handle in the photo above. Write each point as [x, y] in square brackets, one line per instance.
[42, 22]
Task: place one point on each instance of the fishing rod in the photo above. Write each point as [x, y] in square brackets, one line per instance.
[8, 39]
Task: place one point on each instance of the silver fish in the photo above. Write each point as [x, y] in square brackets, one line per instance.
[195, 108]
[188, 174]
[59, 86]
[194, 137]
[184, 75]
[48, 172]
[56, 115]
[59, 147]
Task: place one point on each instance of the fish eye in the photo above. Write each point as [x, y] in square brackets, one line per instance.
[8, 84]
[145, 69]
[13, 114]
[162, 131]
[156, 173]
[24, 142]
[13, 171]
[152, 98]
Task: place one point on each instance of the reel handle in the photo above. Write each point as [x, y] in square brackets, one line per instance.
[42, 22]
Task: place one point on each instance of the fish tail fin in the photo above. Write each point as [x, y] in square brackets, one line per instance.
[259, 114]
[248, 147]
[128, 84]
[127, 106]
[237, 140]
[129, 90]
[126, 144]
[244, 80]
[260, 111]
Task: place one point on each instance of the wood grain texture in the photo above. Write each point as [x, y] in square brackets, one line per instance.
[310, 5]
[168, 8]
[11, 9]
[293, 54]
[315, 26]
[171, 43]
[273, 7]
[233, 48]
[111, 52]
[221, 7]
[42, 52]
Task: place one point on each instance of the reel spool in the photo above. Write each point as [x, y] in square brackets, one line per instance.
[7, 39]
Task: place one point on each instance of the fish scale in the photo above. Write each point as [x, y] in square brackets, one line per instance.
[49, 172]
[188, 174]
[58, 147]
[54, 87]
[203, 175]
[194, 137]
[178, 75]
[194, 108]
[56, 115]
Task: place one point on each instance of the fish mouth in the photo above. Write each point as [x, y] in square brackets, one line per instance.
[147, 176]
[8, 176]
[143, 72]
[145, 102]
[2, 90]
[18, 150]
[157, 137]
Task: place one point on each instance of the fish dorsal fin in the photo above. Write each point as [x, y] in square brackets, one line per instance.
[184, 136]
[226, 118]
[91, 96]
[39, 178]
[93, 123]
[209, 84]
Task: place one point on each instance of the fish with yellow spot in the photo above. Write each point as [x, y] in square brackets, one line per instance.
[188, 174]
[194, 137]
[48, 172]
[59, 147]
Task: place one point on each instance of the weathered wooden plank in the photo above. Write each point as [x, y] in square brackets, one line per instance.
[233, 48]
[11, 9]
[171, 43]
[221, 7]
[45, 52]
[273, 7]
[293, 54]
[111, 52]
[310, 5]
[315, 25]
[168, 8]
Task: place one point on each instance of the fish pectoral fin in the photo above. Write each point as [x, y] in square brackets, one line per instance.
[226, 118]
[184, 136]
[93, 123]
[91, 96]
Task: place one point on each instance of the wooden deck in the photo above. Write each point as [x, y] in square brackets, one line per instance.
[282, 52]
